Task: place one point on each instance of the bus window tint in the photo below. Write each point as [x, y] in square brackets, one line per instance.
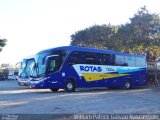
[54, 64]
[89, 58]
[74, 58]
[101, 59]
[83, 57]
[110, 59]
[78, 57]
[42, 56]
[51, 65]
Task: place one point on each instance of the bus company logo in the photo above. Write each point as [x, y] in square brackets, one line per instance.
[91, 68]
[110, 70]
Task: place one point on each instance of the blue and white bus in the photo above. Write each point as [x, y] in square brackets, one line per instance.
[24, 71]
[72, 67]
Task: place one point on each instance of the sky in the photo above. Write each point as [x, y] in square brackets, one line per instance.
[34, 25]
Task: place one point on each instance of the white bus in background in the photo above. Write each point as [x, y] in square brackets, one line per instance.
[13, 74]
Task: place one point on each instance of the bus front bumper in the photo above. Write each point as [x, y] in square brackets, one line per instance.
[23, 82]
[36, 84]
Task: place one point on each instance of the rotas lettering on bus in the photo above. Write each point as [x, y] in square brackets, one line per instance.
[90, 68]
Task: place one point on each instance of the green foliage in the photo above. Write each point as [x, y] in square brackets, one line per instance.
[152, 52]
[6, 66]
[4, 71]
[2, 43]
[140, 36]
[96, 36]
[146, 28]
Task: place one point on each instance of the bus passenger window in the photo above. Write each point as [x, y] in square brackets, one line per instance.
[110, 59]
[101, 59]
[89, 58]
[90, 61]
[73, 60]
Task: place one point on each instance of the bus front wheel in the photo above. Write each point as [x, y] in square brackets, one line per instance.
[70, 86]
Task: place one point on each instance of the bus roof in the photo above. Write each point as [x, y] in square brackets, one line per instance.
[28, 57]
[77, 48]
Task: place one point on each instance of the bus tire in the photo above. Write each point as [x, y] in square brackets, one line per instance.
[54, 89]
[127, 84]
[70, 86]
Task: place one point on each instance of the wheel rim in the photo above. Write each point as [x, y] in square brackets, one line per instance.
[127, 85]
[69, 86]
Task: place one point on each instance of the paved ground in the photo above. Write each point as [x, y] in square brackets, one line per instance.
[15, 99]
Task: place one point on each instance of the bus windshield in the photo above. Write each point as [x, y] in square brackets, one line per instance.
[25, 67]
[21, 68]
[40, 66]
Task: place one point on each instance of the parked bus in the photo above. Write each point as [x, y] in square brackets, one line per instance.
[24, 71]
[74, 67]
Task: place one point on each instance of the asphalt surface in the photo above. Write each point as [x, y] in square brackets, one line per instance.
[16, 99]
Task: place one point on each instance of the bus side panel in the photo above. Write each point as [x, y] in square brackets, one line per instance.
[139, 78]
[70, 73]
[80, 80]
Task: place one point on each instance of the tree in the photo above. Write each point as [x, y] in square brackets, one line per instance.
[95, 36]
[4, 71]
[145, 35]
[2, 43]
[123, 38]
[6, 66]
[140, 36]
[146, 27]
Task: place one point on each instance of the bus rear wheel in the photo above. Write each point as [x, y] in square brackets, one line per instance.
[127, 84]
[54, 89]
[70, 86]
